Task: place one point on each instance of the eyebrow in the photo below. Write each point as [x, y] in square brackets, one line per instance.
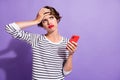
[47, 13]
[44, 20]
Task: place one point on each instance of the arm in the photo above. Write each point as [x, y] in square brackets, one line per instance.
[71, 46]
[26, 23]
[15, 28]
[36, 21]
[68, 65]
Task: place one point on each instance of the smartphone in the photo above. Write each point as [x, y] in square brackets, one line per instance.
[74, 38]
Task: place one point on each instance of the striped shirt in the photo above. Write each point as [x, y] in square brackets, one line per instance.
[48, 57]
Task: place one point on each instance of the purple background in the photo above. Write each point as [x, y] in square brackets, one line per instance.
[96, 21]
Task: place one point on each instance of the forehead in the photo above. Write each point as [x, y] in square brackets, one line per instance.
[47, 16]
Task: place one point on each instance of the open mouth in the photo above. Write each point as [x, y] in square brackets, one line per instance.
[50, 26]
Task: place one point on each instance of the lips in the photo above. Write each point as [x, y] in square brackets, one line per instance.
[50, 26]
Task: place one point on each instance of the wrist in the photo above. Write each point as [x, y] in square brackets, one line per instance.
[71, 53]
[36, 21]
[70, 56]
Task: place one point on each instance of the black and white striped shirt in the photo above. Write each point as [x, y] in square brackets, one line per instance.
[48, 57]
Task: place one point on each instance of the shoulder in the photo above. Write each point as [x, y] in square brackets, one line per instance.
[41, 36]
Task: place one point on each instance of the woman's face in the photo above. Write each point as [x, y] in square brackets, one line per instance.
[49, 22]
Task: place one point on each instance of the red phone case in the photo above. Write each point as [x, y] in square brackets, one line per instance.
[74, 38]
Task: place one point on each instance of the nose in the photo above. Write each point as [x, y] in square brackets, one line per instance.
[49, 22]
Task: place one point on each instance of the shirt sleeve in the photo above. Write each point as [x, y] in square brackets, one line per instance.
[66, 72]
[16, 32]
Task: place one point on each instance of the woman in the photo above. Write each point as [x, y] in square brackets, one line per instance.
[52, 53]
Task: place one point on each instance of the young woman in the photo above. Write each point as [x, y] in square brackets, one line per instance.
[52, 53]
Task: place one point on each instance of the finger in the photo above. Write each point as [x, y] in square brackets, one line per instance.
[71, 47]
[74, 43]
[45, 14]
[44, 10]
[42, 13]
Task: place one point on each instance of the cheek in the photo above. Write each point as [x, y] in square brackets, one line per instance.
[44, 27]
[55, 21]
[44, 24]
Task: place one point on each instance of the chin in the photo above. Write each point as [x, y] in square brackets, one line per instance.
[52, 30]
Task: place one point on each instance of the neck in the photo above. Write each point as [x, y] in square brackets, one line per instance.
[54, 37]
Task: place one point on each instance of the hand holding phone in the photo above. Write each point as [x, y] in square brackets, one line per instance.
[71, 47]
[74, 38]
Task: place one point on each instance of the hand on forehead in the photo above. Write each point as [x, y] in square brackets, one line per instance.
[46, 15]
[45, 10]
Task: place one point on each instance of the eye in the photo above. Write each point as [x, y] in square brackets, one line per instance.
[44, 20]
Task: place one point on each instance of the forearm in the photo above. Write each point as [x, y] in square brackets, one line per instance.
[26, 23]
[36, 21]
[68, 64]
